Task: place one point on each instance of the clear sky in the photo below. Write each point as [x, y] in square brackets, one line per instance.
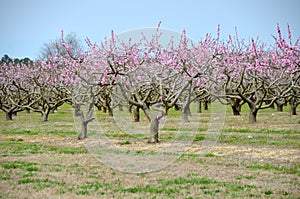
[27, 24]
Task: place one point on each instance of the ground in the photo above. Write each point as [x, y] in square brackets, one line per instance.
[45, 160]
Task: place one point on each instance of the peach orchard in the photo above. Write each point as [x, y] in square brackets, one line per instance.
[145, 75]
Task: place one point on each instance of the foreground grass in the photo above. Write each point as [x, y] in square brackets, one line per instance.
[44, 160]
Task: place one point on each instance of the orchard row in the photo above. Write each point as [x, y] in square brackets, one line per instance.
[149, 75]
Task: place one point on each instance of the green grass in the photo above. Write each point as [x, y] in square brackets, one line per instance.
[181, 180]
[261, 131]
[151, 189]
[284, 140]
[269, 167]
[22, 149]
[29, 132]
[73, 173]
[125, 142]
[39, 184]
[92, 188]
[171, 187]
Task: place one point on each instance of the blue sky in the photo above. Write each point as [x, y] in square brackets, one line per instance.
[27, 24]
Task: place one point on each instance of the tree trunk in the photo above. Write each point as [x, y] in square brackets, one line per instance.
[76, 110]
[293, 105]
[52, 111]
[280, 103]
[27, 110]
[279, 107]
[235, 106]
[130, 106]
[153, 138]
[185, 113]
[235, 110]
[45, 115]
[136, 114]
[110, 111]
[294, 109]
[99, 108]
[199, 107]
[252, 115]
[83, 132]
[8, 116]
[120, 107]
[206, 105]
[104, 109]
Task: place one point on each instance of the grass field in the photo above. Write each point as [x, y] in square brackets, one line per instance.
[45, 160]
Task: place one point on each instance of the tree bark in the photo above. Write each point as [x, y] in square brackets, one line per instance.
[45, 115]
[293, 105]
[110, 111]
[206, 105]
[83, 132]
[294, 109]
[185, 113]
[252, 115]
[153, 138]
[8, 116]
[76, 110]
[235, 111]
[130, 107]
[199, 107]
[235, 106]
[280, 104]
[136, 114]
[280, 107]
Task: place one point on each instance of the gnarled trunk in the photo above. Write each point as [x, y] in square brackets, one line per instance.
[45, 115]
[154, 121]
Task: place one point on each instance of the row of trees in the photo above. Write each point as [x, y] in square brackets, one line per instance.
[149, 76]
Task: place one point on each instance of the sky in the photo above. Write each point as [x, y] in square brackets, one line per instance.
[27, 24]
